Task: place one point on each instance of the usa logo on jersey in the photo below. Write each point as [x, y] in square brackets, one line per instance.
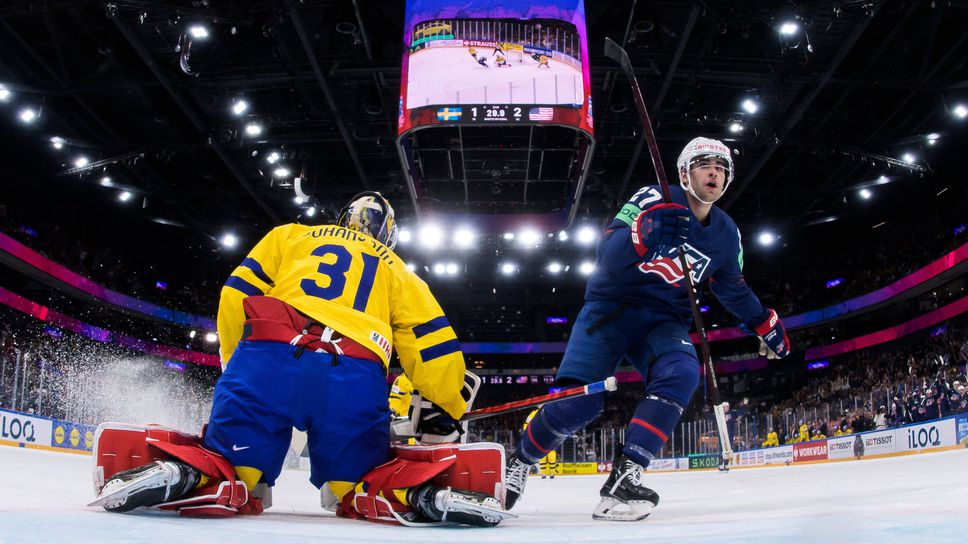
[666, 265]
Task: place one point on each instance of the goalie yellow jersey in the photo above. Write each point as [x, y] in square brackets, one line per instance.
[352, 283]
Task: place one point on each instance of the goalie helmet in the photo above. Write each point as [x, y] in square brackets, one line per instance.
[704, 148]
[370, 214]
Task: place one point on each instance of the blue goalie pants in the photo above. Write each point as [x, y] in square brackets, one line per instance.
[266, 390]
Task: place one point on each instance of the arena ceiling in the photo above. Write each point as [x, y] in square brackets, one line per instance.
[840, 103]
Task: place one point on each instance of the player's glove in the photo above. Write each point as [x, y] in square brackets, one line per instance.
[436, 426]
[774, 342]
[660, 225]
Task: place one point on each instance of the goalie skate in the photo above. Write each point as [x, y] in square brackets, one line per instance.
[624, 498]
[147, 485]
[459, 506]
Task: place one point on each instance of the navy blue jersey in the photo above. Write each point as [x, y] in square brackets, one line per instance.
[714, 252]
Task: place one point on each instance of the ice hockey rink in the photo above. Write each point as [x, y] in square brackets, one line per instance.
[914, 498]
[449, 75]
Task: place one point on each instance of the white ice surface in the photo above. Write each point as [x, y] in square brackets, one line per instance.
[449, 75]
[919, 498]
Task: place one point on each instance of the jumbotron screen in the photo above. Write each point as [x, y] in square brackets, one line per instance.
[512, 62]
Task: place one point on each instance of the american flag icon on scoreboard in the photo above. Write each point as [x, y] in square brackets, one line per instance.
[541, 114]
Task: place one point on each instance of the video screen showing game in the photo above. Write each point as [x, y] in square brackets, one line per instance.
[521, 62]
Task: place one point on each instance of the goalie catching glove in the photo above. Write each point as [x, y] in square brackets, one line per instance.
[431, 424]
[774, 342]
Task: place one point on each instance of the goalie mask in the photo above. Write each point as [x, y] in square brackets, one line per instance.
[704, 149]
[370, 214]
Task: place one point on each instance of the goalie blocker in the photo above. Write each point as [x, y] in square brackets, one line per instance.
[163, 468]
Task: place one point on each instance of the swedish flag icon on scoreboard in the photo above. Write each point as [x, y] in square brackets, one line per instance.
[448, 114]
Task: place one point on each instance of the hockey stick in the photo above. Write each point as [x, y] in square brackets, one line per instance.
[608, 384]
[615, 52]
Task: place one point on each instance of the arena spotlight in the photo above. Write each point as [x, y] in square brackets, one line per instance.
[909, 158]
[736, 127]
[960, 111]
[311, 211]
[239, 107]
[211, 337]
[430, 236]
[586, 268]
[509, 236]
[253, 129]
[81, 162]
[124, 196]
[750, 106]
[508, 269]
[229, 240]
[440, 269]
[57, 142]
[865, 193]
[555, 267]
[280, 172]
[529, 238]
[766, 238]
[932, 138]
[404, 236]
[299, 200]
[28, 115]
[586, 236]
[198, 32]
[563, 236]
[273, 158]
[789, 28]
[452, 269]
[411, 267]
[192, 334]
[882, 179]
[464, 237]
[106, 182]
[4, 95]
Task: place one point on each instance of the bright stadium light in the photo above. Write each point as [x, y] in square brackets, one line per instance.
[229, 240]
[57, 142]
[750, 106]
[509, 236]
[766, 238]
[736, 127]
[239, 107]
[563, 236]
[106, 182]
[253, 129]
[4, 95]
[932, 138]
[81, 162]
[529, 238]
[960, 111]
[555, 267]
[411, 267]
[789, 28]
[280, 172]
[273, 157]
[865, 193]
[211, 337]
[124, 196]
[909, 158]
[452, 269]
[440, 268]
[299, 200]
[404, 236]
[586, 236]
[198, 32]
[28, 115]
[586, 268]
[881, 180]
[464, 237]
[508, 269]
[430, 236]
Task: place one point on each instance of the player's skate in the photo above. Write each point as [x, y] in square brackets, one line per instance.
[147, 485]
[515, 478]
[457, 506]
[624, 498]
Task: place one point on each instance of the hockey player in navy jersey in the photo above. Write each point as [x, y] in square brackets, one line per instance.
[637, 309]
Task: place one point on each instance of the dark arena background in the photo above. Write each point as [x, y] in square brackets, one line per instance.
[148, 146]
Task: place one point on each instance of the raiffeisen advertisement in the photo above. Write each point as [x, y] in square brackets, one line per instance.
[516, 62]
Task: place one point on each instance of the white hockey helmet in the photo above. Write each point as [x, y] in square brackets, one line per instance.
[370, 213]
[703, 148]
